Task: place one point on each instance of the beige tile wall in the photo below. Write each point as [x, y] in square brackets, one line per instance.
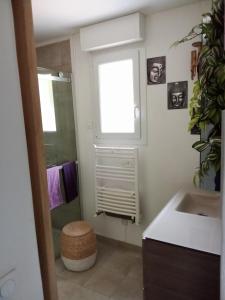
[55, 56]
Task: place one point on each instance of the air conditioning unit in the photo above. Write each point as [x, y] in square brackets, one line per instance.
[116, 32]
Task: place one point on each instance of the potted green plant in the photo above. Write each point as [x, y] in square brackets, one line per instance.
[208, 99]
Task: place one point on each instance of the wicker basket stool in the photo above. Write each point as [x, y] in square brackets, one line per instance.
[78, 246]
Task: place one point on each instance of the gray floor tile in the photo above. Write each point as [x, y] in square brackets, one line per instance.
[79, 278]
[120, 262]
[70, 291]
[105, 281]
[129, 289]
[136, 270]
[116, 274]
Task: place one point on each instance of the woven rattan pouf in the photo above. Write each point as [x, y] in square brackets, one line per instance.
[78, 246]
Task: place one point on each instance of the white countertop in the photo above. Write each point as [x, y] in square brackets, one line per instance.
[185, 229]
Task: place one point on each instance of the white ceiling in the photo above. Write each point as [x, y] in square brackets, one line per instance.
[56, 18]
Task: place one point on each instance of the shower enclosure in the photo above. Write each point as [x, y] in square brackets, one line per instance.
[57, 112]
[56, 98]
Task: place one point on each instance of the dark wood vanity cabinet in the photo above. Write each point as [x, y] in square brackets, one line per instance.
[176, 273]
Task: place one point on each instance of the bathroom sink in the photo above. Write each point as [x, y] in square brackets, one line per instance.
[191, 219]
[202, 204]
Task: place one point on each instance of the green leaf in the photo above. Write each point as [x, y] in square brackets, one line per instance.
[195, 31]
[221, 101]
[200, 145]
[196, 179]
[216, 141]
[202, 125]
[211, 60]
[205, 167]
[216, 51]
[193, 123]
[211, 156]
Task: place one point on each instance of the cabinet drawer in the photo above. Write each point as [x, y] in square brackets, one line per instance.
[157, 293]
[180, 271]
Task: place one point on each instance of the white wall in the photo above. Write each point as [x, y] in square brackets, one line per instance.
[18, 248]
[167, 162]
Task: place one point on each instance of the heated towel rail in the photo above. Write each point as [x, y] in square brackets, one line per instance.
[116, 182]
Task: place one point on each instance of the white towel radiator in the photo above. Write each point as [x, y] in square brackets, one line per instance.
[116, 182]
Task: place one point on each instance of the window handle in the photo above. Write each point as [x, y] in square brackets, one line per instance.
[136, 112]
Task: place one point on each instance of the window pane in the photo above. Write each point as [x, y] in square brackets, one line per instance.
[47, 103]
[116, 92]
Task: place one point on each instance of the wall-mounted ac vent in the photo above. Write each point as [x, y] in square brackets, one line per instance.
[116, 32]
[116, 177]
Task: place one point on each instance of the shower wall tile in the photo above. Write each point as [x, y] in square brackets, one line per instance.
[55, 56]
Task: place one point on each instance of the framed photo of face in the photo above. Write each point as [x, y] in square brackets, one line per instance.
[156, 70]
[177, 95]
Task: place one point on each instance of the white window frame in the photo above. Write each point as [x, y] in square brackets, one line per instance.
[138, 58]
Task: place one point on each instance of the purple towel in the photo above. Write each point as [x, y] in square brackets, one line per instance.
[70, 180]
[54, 189]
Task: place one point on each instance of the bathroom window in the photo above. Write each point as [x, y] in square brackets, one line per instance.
[47, 103]
[117, 94]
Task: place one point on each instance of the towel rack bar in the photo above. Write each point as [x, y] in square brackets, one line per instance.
[111, 200]
[114, 209]
[115, 156]
[115, 178]
[116, 175]
[130, 168]
[116, 196]
[115, 151]
[121, 172]
[104, 188]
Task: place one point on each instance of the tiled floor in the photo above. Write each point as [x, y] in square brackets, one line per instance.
[117, 275]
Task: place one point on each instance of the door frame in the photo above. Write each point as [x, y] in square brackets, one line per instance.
[27, 64]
